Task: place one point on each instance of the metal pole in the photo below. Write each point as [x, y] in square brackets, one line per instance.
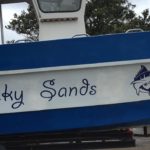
[1, 25]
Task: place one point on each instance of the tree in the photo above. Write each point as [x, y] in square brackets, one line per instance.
[105, 16]
[113, 16]
[10, 42]
[142, 21]
[101, 17]
[26, 24]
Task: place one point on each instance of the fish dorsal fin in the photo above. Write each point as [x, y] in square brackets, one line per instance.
[142, 73]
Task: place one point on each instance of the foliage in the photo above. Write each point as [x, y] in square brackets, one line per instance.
[26, 23]
[107, 16]
[113, 16]
[10, 42]
[101, 17]
[142, 21]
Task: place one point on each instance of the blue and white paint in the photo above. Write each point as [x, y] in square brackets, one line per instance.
[69, 84]
[141, 81]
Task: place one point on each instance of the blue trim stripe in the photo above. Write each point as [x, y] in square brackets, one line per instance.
[76, 118]
[109, 48]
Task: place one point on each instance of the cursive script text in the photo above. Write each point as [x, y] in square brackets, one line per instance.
[50, 90]
[13, 96]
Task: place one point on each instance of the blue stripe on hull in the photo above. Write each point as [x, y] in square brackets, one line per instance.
[76, 118]
[119, 47]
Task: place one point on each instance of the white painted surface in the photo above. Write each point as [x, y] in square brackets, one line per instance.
[111, 85]
[60, 29]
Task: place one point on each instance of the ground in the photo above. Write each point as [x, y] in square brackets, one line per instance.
[142, 143]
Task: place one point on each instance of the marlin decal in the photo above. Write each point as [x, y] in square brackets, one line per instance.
[141, 81]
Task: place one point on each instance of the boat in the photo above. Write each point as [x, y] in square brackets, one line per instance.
[66, 82]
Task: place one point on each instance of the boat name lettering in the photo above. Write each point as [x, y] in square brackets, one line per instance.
[50, 91]
[14, 96]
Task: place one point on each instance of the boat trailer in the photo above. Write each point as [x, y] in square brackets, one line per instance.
[85, 139]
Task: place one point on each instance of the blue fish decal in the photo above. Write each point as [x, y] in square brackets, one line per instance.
[141, 81]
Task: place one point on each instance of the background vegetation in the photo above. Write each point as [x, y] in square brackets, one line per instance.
[101, 17]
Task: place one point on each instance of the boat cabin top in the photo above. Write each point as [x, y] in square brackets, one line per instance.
[58, 19]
